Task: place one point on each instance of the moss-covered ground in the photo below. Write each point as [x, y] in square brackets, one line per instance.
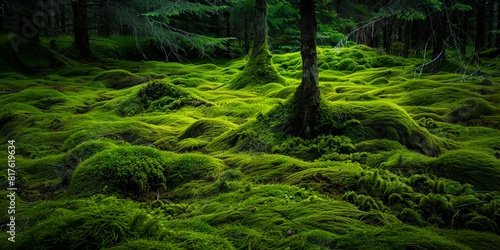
[151, 155]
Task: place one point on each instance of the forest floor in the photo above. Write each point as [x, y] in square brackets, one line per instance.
[153, 155]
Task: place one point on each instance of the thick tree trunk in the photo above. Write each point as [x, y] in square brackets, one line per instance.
[259, 69]
[306, 100]
[260, 32]
[80, 28]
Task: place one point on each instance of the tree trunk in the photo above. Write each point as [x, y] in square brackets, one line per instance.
[479, 43]
[464, 28]
[259, 69]
[305, 120]
[438, 49]
[80, 28]
[490, 22]
[104, 23]
[497, 41]
[227, 16]
[246, 35]
[2, 16]
[63, 18]
[407, 39]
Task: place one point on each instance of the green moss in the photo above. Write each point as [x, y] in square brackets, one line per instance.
[206, 128]
[332, 181]
[119, 79]
[469, 166]
[258, 71]
[378, 120]
[126, 171]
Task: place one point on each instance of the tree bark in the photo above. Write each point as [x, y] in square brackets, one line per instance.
[464, 28]
[259, 69]
[438, 49]
[306, 100]
[227, 16]
[80, 28]
[104, 22]
[479, 43]
[260, 32]
[497, 41]
[407, 39]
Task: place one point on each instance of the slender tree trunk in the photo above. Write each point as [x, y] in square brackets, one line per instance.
[490, 23]
[479, 43]
[306, 100]
[227, 16]
[80, 28]
[246, 35]
[464, 28]
[2, 16]
[104, 23]
[259, 69]
[387, 35]
[438, 49]
[407, 38]
[63, 18]
[497, 41]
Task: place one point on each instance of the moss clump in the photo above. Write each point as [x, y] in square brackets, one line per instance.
[375, 146]
[206, 128]
[119, 79]
[347, 64]
[125, 171]
[471, 109]
[258, 71]
[377, 120]
[186, 167]
[331, 181]
[314, 148]
[468, 166]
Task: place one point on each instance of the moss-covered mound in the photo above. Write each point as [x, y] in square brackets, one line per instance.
[125, 171]
[378, 120]
[258, 71]
[469, 166]
[206, 128]
[135, 171]
[119, 79]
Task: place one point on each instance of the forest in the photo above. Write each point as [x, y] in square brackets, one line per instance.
[249, 124]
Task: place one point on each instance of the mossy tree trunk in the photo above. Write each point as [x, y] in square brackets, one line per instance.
[259, 69]
[305, 103]
[80, 27]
